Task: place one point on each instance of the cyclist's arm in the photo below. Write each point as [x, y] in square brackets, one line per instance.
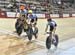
[28, 20]
[46, 28]
[55, 25]
[36, 18]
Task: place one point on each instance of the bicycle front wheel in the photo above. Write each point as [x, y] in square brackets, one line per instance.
[48, 42]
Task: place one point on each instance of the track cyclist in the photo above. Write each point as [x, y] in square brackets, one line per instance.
[33, 21]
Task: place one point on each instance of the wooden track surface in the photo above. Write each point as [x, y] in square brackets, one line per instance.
[10, 45]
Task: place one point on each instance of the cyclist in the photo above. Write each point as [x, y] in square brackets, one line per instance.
[32, 17]
[22, 11]
[33, 21]
[52, 25]
[22, 19]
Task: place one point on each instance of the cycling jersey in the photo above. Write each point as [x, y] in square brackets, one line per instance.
[32, 18]
[23, 11]
[51, 24]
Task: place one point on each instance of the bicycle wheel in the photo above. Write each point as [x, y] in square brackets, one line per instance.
[16, 25]
[56, 40]
[35, 32]
[29, 33]
[18, 29]
[48, 42]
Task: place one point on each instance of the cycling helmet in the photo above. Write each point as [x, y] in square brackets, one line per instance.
[30, 11]
[49, 19]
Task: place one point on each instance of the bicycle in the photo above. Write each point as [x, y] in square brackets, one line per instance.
[33, 31]
[51, 39]
[20, 27]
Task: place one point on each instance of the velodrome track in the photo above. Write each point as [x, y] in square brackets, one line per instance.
[11, 45]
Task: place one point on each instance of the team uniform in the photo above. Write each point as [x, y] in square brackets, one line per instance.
[32, 18]
[52, 24]
[21, 21]
[22, 11]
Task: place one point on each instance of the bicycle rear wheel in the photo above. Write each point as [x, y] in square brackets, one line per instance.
[56, 40]
[35, 32]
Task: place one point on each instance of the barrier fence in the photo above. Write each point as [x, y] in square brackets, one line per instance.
[12, 15]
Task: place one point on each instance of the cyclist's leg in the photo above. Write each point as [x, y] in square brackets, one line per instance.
[51, 29]
[54, 30]
[34, 28]
[51, 33]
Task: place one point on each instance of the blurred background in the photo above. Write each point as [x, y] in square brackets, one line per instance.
[40, 6]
